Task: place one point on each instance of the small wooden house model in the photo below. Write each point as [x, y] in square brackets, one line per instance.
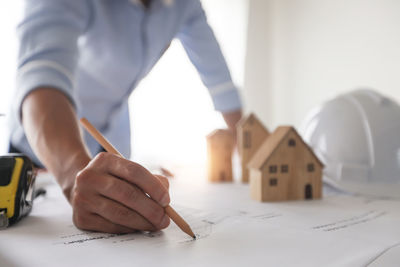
[251, 133]
[285, 168]
[219, 149]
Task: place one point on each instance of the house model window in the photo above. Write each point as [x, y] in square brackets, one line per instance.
[310, 167]
[247, 139]
[292, 142]
[273, 169]
[285, 168]
[273, 182]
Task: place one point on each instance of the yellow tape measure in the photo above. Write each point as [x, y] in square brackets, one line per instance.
[17, 179]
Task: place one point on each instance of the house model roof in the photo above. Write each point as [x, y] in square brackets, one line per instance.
[219, 132]
[272, 143]
[246, 120]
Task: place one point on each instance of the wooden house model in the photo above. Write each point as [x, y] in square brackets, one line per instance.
[285, 168]
[251, 133]
[220, 145]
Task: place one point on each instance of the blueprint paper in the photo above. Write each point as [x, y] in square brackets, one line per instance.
[232, 230]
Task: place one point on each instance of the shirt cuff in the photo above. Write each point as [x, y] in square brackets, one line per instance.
[43, 76]
[226, 97]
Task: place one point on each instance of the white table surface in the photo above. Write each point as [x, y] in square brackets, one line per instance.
[233, 230]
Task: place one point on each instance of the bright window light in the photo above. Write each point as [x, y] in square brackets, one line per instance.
[171, 110]
[172, 113]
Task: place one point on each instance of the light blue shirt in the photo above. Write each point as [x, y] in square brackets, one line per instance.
[97, 51]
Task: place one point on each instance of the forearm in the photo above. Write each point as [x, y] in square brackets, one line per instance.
[52, 130]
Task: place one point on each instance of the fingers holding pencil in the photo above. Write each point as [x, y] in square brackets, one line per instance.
[134, 174]
[117, 202]
[180, 222]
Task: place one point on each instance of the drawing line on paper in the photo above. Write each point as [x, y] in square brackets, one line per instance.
[352, 221]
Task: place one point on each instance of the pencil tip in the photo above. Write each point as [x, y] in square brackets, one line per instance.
[194, 237]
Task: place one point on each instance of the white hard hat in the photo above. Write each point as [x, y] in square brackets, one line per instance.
[357, 136]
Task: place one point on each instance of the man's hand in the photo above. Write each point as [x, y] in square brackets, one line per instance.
[231, 119]
[115, 195]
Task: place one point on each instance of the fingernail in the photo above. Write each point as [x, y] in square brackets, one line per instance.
[164, 222]
[165, 200]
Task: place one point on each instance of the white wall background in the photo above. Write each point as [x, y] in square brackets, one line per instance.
[302, 52]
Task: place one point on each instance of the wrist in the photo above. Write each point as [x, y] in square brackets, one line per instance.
[232, 118]
[67, 174]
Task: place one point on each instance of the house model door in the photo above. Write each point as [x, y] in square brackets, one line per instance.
[308, 191]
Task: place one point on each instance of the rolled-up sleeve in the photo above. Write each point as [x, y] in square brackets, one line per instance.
[204, 52]
[48, 52]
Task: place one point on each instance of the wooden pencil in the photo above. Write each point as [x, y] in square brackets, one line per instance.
[178, 220]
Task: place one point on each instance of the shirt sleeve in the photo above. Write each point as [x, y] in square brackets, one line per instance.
[48, 53]
[204, 52]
